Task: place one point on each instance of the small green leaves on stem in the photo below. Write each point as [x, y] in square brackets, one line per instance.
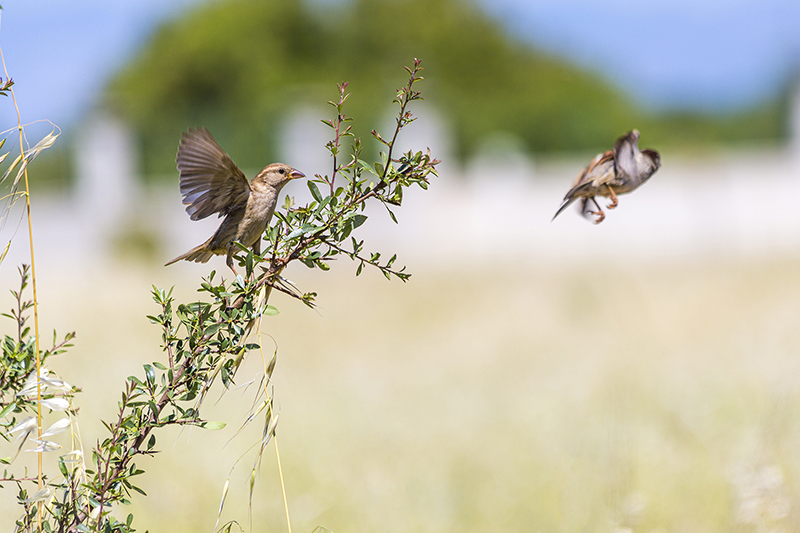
[5, 85]
[20, 386]
[317, 233]
[206, 341]
[18, 380]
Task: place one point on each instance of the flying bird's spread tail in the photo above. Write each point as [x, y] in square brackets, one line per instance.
[198, 254]
[566, 203]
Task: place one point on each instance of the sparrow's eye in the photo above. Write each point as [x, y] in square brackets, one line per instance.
[282, 171]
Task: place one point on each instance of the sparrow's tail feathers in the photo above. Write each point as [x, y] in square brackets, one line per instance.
[567, 201]
[198, 254]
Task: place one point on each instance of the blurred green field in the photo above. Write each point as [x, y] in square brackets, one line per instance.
[655, 396]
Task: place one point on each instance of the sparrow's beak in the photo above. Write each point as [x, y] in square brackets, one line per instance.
[296, 174]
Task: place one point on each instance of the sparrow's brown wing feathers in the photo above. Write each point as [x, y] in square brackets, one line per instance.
[587, 171]
[585, 180]
[210, 181]
[597, 172]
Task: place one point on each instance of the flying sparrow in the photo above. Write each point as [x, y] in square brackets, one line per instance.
[211, 183]
[612, 173]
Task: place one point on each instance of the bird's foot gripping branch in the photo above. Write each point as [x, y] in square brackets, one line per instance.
[206, 341]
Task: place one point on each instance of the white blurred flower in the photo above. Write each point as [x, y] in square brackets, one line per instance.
[30, 386]
[46, 379]
[44, 446]
[26, 425]
[57, 427]
[762, 497]
[41, 495]
[56, 404]
[72, 457]
[56, 383]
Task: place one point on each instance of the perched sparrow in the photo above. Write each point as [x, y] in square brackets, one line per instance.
[212, 183]
[611, 173]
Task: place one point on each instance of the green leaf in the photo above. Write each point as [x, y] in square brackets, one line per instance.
[213, 328]
[248, 262]
[5, 251]
[314, 191]
[296, 233]
[7, 409]
[305, 228]
[366, 166]
[325, 201]
[347, 227]
[212, 426]
[62, 467]
[271, 310]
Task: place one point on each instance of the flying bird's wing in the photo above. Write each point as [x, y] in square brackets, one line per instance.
[587, 174]
[210, 181]
[596, 173]
[625, 150]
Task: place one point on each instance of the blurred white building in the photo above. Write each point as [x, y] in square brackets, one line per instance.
[500, 204]
[107, 189]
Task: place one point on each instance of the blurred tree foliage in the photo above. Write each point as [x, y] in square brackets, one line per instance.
[237, 66]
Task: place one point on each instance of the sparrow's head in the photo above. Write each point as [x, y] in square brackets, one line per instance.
[278, 175]
[654, 157]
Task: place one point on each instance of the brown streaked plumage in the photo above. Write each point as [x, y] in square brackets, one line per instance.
[612, 173]
[211, 183]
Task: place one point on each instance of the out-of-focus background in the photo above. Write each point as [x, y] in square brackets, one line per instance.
[639, 375]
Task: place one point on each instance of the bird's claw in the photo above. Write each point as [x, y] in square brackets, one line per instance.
[614, 202]
[600, 216]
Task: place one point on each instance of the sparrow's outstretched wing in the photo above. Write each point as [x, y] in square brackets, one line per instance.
[210, 181]
[625, 150]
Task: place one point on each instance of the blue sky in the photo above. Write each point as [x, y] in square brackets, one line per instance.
[673, 53]
[670, 54]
